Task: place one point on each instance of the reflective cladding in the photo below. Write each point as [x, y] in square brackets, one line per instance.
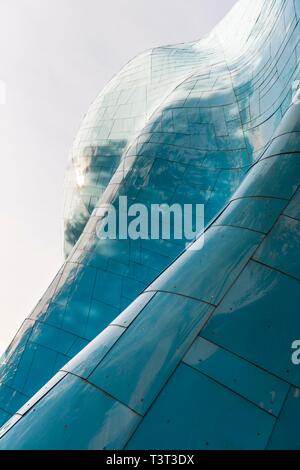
[281, 249]
[131, 312]
[14, 353]
[195, 412]
[258, 214]
[119, 112]
[225, 252]
[293, 209]
[264, 181]
[4, 416]
[103, 422]
[263, 304]
[181, 124]
[42, 392]
[252, 383]
[11, 398]
[9, 424]
[286, 434]
[213, 122]
[97, 349]
[48, 336]
[142, 360]
[30, 372]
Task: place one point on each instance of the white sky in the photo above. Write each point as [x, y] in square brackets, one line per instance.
[55, 56]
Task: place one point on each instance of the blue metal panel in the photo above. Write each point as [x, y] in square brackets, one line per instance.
[97, 350]
[258, 320]
[131, 312]
[263, 389]
[194, 412]
[13, 400]
[41, 393]
[281, 249]
[253, 213]
[81, 289]
[213, 122]
[227, 248]
[4, 416]
[37, 374]
[100, 316]
[264, 181]
[286, 434]
[90, 420]
[77, 346]
[145, 356]
[100, 346]
[293, 209]
[15, 354]
[52, 338]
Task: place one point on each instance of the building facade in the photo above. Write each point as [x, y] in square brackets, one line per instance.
[148, 344]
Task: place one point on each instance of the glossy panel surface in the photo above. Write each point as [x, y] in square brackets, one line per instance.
[97, 349]
[201, 415]
[293, 209]
[258, 214]
[145, 356]
[213, 122]
[263, 304]
[225, 252]
[286, 435]
[252, 383]
[281, 249]
[87, 420]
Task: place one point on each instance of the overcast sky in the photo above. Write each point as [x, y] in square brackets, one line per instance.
[56, 55]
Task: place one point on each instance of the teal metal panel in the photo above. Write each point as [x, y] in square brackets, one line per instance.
[194, 412]
[213, 122]
[228, 249]
[90, 420]
[257, 214]
[286, 435]
[293, 209]
[242, 377]
[142, 360]
[259, 319]
[281, 249]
